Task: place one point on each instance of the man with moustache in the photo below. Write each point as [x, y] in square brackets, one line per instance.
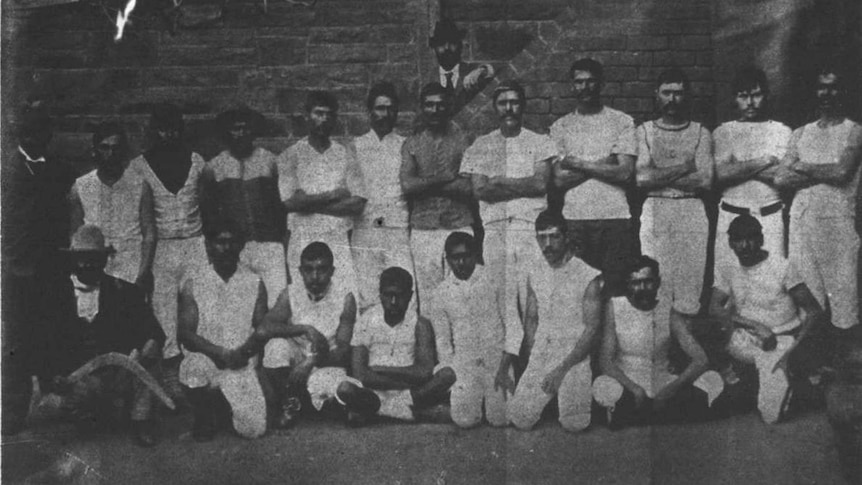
[510, 169]
[380, 238]
[241, 185]
[773, 312]
[599, 150]
[568, 296]
[822, 165]
[115, 198]
[462, 81]
[636, 385]
[675, 166]
[321, 186]
[442, 199]
[747, 153]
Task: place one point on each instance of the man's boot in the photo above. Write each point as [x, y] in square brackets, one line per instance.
[204, 427]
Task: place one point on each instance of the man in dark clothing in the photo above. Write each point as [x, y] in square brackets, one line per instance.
[463, 81]
[36, 291]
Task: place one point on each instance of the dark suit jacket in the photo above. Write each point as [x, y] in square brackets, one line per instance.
[462, 95]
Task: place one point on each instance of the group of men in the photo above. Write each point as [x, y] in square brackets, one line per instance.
[385, 275]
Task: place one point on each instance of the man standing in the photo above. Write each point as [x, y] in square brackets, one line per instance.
[115, 198]
[321, 186]
[172, 172]
[381, 238]
[219, 307]
[675, 165]
[636, 386]
[599, 147]
[310, 326]
[241, 185]
[822, 163]
[747, 153]
[462, 81]
[510, 169]
[772, 310]
[442, 198]
[474, 342]
[37, 294]
[568, 294]
[392, 358]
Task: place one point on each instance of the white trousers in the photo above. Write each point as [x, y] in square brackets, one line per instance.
[773, 385]
[266, 259]
[240, 387]
[175, 261]
[428, 247]
[474, 386]
[374, 250]
[675, 233]
[773, 236]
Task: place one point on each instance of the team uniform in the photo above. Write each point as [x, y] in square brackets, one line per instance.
[559, 293]
[225, 313]
[674, 228]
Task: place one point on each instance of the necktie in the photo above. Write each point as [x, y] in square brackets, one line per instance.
[449, 87]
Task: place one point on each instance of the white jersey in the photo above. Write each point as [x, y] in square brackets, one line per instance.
[324, 314]
[747, 141]
[643, 342]
[389, 346]
[380, 162]
[225, 308]
[178, 216]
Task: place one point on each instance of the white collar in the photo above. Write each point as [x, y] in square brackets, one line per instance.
[456, 74]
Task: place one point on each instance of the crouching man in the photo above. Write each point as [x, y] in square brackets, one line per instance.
[219, 308]
[637, 386]
[393, 358]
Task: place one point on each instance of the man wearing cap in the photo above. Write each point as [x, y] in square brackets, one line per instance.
[112, 316]
[115, 198]
[772, 311]
[510, 169]
[599, 149]
[241, 185]
[442, 198]
[636, 385]
[36, 291]
[747, 153]
[172, 172]
[461, 80]
[381, 237]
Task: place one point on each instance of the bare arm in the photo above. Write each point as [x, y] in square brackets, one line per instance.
[368, 377]
[301, 201]
[340, 357]
[411, 183]
[499, 189]
[698, 361]
[423, 362]
[616, 169]
[786, 177]
[347, 207]
[730, 172]
[701, 179]
[187, 327]
[565, 179]
[841, 173]
[253, 345]
[813, 316]
[148, 232]
[647, 175]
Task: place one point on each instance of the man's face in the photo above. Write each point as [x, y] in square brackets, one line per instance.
[747, 248]
[552, 242]
[435, 109]
[89, 266]
[828, 93]
[321, 120]
[383, 114]
[510, 109]
[316, 275]
[462, 261]
[448, 54]
[672, 99]
[751, 104]
[642, 289]
[223, 251]
[108, 153]
[167, 135]
[587, 87]
[395, 301]
[240, 137]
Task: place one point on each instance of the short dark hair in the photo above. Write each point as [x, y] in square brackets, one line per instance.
[382, 88]
[548, 218]
[457, 238]
[109, 129]
[320, 98]
[317, 250]
[748, 78]
[220, 225]
[432, 89]
[509, 85]
[590, 65]
[673, 75]
[225, 120]
[637, 263]
[166, 115]
[744, 225]
[397, 276]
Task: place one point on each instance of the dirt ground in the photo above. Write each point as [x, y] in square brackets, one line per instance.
[740, 450]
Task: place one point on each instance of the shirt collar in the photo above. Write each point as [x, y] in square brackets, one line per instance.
[456, 74]
[29, 158]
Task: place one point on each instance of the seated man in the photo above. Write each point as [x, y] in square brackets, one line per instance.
[771, 309]
[465, 310]
[219, 308]
[567, 294]
[310, 326]
[392, 361]
[637, 386]
[112, 316]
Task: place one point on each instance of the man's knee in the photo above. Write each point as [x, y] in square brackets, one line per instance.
[521, 416]
[575, 423]
[446, 376]
[466, 418]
